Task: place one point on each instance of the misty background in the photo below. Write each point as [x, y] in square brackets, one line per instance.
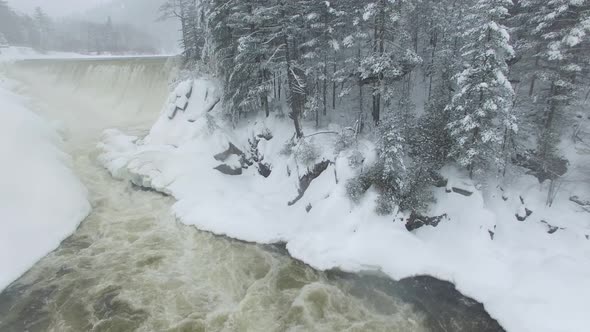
[140, 14]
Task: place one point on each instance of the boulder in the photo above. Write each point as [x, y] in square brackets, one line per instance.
[579, 201]
[417, 220]
[550, 228]
[228, 170]
[264, 169]
[549, 169]
[305, 180]
[523, 213]
[461, 191]
[231, 150]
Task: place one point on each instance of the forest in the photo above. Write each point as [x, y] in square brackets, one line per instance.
[43, 33]
[482, 84]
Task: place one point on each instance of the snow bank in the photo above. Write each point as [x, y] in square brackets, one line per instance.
[528, 279]
[41, 201]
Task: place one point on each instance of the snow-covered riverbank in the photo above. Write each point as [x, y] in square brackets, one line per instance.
[41, 200]
[529, 276]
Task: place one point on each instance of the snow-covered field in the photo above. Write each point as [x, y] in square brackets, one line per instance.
[527, 278]
[41, 201]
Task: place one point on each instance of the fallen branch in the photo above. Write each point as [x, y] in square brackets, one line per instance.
[323, 133]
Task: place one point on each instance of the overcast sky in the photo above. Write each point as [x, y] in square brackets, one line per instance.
[55, 7]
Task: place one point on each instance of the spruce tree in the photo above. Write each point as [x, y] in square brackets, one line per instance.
[480, 110]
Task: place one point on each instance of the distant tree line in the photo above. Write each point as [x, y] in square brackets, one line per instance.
[473, 82]
[42, 33]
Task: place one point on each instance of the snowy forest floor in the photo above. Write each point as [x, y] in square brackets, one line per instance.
[531, 275]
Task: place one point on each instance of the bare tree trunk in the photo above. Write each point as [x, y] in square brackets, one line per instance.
[534, 79]
[433, 44]
[264, 102]
[544, 145]
[274, 85]
[280, 86]
[325, 86]
[360, 120]
[334, 85]
[379, 48]
[294, 78]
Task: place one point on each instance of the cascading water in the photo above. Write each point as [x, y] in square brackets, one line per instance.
[131, 266]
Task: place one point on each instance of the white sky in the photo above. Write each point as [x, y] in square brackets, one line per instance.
[55, 7]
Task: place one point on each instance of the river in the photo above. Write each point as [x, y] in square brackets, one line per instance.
[131, 266]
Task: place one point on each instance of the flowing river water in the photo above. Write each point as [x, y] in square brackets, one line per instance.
[131, 266]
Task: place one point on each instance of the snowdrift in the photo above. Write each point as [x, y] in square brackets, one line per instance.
[41, 200]
[529, 278]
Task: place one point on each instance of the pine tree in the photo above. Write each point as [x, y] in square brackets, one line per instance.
[9, 23]
[388, 62]
[480, 109]
[43, 24]
[392, 170]
[557, 32]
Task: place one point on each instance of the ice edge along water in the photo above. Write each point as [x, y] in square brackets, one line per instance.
[528, 279]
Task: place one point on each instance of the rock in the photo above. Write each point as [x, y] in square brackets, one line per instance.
[462, 191]
[212, 105]
[444, 308]
[504, 195]
[308, 208]
[492, 233]
[138, 187]
[264, 169]
[447, 309]
[417, 221]
[448, 187]
[181, 103]
[550, 228]
[580, 201]
[265, 134]
[184, 89]
[439, 180]
[228, 170]
[180, 99]
[305, 180]
[543, 170]
[231, 150]
[523, 214]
